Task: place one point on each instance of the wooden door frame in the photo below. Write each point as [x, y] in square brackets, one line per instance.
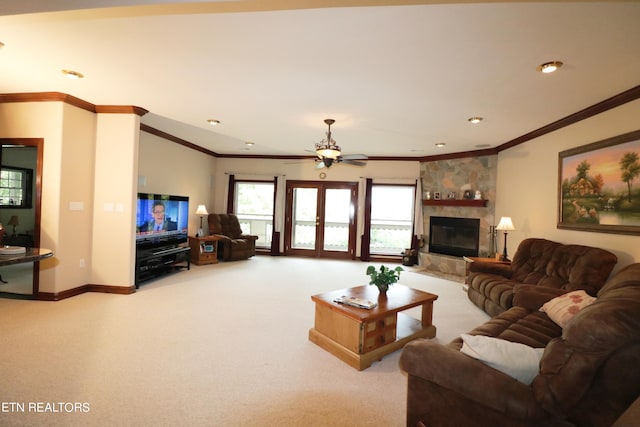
[38, 143]
[322, 186]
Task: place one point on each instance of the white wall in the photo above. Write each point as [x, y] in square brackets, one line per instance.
[113, 189]
[55, 121]
[165, 167]
[527, 185]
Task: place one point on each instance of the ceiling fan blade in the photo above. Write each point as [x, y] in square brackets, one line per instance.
[353, 162]
[355, 157]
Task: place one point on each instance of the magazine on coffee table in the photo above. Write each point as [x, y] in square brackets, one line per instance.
[356, 302]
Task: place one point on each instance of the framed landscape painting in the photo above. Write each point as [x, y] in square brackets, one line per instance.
[599, 186]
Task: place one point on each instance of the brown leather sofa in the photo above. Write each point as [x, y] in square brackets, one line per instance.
[589, 373]
[233, 245]
[538, 262]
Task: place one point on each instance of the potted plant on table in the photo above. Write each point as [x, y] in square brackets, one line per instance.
[384, 277]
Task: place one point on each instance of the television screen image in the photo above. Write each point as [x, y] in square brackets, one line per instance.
[161, 219]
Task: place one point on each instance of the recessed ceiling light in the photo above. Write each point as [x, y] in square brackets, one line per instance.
[73, 75]
[213, 122]
[249, 144]
[549, 67]
[474, 120]
[440, 144]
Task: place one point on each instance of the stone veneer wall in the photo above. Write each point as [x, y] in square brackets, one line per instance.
[458, 175]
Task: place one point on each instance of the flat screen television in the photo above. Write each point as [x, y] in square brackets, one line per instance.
[161, 220]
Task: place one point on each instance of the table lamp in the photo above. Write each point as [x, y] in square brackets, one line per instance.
[202, 211]
[14, 221]
[505, 225]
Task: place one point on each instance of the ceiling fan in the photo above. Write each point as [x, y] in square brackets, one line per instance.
[329, 153]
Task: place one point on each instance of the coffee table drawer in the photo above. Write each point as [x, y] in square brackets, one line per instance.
[378, 333]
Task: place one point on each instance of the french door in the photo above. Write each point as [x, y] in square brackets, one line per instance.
[320, 219]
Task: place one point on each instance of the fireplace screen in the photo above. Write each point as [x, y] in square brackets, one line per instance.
[454, 236]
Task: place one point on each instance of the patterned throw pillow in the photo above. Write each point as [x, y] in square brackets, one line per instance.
[563, 308]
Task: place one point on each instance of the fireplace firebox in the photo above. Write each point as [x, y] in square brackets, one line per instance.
[454, 236]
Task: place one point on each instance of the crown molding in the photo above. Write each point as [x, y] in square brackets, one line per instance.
[71, 100]
[608, 104]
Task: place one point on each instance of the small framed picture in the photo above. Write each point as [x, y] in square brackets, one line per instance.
[467, 194]
[452, 195]
[436, 195]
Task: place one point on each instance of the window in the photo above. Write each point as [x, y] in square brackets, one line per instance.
[15, 187]
[391, 218]
[253, 205]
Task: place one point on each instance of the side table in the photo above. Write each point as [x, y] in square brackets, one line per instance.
[470, 259]
[204, 250]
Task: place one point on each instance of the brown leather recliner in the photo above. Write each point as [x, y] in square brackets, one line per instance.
[233, 245]
[588, 375]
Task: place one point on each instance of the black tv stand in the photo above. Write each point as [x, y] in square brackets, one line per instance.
[154, 261]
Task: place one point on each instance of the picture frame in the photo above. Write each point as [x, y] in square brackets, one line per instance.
[436, 195]
[599, 186]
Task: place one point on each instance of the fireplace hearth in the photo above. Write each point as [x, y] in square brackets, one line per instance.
[454, 236]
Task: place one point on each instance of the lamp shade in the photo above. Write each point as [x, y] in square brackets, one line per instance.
[202, 210]
[505, 224]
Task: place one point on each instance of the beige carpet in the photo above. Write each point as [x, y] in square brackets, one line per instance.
[217, 345]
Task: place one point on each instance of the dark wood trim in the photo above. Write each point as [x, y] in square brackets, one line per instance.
[461, 155]
[38, 143]
[169, 137]
[120, 109]
[106, 289]
[71, 100]
[48, 97]
[608, 104]
[456, 202]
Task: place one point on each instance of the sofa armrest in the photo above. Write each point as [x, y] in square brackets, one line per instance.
[222, 237]
[248, 237]
[532, 297]
[503, 270]
[468, 377]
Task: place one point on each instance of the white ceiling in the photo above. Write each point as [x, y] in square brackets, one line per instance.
[396, 78]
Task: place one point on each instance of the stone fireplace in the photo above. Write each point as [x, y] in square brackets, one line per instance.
[457, 176]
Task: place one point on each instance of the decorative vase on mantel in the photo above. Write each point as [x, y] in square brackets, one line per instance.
[383, 278]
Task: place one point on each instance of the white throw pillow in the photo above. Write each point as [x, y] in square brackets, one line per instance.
[562, 309]
[514, 359]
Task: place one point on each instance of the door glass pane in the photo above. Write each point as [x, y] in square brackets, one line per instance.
[391, 218]
[254, 208]
[336, 220]
[304, 218]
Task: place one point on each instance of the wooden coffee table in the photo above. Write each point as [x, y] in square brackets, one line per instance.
[359, 336]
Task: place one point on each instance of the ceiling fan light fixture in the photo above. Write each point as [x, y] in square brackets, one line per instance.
[549, 67]
[330, 151]
[327, 147]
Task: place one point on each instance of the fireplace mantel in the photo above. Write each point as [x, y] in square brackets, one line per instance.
[456, 202]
